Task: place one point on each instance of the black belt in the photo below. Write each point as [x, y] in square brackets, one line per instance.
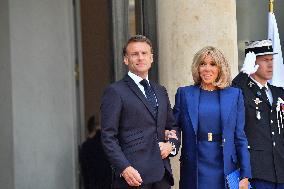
[210, 137]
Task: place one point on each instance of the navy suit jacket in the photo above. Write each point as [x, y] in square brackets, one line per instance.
[130, 132]
[235, 152]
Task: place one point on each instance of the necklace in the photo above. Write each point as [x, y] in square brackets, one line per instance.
[206, 89]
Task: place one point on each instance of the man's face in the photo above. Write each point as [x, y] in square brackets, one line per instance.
[265, 70]
[138, 58]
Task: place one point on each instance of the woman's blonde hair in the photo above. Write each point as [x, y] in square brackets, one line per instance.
[224, 77]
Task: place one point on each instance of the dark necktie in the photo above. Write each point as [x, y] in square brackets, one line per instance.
[263, 92]
[150, 95]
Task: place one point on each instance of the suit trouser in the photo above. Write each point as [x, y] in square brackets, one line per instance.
[163, 184]
[261, 184]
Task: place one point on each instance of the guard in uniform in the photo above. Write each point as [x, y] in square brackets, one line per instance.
[264, 107]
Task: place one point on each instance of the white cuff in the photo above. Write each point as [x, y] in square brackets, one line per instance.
[174, 150]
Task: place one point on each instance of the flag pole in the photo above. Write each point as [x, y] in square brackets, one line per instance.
[271, 6]
[273, 34]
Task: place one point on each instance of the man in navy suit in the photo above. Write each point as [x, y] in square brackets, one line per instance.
[135, 115]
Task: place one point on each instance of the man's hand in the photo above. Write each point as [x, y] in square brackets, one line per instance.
[243, 184]
[165, 148]
[170, 134]
[249, 66]
[132, 176]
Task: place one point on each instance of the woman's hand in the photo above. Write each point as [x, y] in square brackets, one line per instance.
[170, 134]
[243, 184]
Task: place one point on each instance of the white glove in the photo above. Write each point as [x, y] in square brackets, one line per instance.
[249, 66]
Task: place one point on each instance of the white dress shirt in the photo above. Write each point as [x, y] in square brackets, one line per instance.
[137, 80]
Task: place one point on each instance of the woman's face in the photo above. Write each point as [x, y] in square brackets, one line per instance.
[208, 71]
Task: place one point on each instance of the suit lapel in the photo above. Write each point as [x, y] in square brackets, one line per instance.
[226, 101]
[132, 85]
[192, 100]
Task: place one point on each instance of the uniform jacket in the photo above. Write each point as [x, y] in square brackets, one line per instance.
[265, 138]
[130, 133]
[235, 153]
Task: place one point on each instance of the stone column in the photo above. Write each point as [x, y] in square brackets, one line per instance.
[186, 26]
[6, 141]
[37, 102]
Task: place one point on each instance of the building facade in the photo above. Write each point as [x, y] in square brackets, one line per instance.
[56, 57]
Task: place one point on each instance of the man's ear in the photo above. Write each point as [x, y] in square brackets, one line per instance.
[125, 60]
[152, 58]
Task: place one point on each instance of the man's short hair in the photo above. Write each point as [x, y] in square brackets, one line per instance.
[137, 38]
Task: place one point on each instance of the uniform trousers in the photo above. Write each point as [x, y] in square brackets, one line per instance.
[261, 184]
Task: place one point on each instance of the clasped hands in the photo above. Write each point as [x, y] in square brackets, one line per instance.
[249, 66]
[132, 176]
[166, 147]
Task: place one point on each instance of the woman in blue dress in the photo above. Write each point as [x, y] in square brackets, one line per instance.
[210, 115]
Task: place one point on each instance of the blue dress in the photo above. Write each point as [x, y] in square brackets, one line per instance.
[210, 154]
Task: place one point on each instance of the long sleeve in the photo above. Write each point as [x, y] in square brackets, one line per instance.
[241, 140]
[171, 125]
[110, 114]
[240, 80]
